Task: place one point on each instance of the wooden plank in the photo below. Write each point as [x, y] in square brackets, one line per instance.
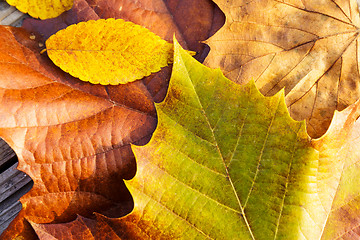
[11, 181]
[9, 15]
[7, 216]
[9, 203]
[14, 198]
[13, 19]
[6, 154]
[13, 185]
[5, 10]
[11, 206]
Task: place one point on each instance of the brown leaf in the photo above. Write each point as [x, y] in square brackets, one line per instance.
[308, 47]
[84, 228]
[81, 228]
[191, 21]
[73, 140]
[101, 228]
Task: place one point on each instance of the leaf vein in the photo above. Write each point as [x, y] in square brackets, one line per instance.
[286, 189]
[188, 157]
[309, 11]
[261, 154]
[223, 160]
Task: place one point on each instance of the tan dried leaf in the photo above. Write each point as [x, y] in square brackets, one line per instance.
[309, 47]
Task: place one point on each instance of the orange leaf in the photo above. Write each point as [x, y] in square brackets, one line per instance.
[72, 140]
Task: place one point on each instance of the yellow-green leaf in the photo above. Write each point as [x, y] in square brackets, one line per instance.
[225, 162]
[108, 51]
[236, 167]
[43, 9]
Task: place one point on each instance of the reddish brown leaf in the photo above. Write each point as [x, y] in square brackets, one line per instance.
[81, 228]
[191, 21]
[71, 139]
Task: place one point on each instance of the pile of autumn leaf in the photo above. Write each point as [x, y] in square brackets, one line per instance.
[215, 159]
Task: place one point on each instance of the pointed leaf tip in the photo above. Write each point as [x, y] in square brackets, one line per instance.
[108, 51]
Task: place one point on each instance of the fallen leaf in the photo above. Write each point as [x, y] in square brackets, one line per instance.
[308, 47]
[225, 162]
[192, 21]
[108, 51]
[72, 140]
[42, 9]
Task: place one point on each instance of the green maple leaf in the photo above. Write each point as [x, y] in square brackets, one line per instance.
[225, 162]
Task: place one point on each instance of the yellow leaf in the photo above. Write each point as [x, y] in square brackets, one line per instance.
[108, 51]
[43, 9]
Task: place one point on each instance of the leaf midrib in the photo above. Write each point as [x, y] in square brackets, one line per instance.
[222, 158]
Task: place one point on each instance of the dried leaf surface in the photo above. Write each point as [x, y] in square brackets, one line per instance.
[42, 9]
[108, 51]
[237, 167]
[308, 47]
[72, 140]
